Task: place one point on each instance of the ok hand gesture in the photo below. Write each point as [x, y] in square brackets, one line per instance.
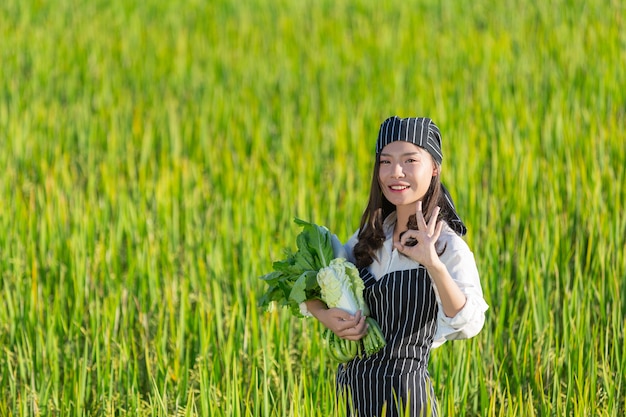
[426, 236]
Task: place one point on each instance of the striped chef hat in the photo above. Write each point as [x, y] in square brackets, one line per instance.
[420, 131]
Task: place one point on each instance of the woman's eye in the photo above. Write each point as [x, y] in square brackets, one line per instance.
[384, 162]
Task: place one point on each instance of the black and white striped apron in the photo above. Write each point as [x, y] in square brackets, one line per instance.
[396, 378]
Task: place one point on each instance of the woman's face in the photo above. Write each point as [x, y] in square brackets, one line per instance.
[405, 173]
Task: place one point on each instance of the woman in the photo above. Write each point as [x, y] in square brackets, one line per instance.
[421, 281]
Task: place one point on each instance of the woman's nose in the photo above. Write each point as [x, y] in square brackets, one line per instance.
[397, 171]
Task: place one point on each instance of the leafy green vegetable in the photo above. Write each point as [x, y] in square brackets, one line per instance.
[313, 272]
[342, 287]
[293, 280]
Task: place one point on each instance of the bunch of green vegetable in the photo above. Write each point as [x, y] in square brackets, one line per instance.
[313, 272]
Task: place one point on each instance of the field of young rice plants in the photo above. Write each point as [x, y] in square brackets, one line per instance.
[153, 156]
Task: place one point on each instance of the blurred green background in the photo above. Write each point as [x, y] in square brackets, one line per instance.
[154, 155]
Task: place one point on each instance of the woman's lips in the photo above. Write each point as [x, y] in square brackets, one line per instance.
[398, 187]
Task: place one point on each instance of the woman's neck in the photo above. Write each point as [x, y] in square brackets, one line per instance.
[402, 219]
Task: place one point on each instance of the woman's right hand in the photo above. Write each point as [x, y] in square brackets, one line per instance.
[340, 322]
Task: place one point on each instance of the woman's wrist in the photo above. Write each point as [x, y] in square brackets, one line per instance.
[315, 307]
[436, 268]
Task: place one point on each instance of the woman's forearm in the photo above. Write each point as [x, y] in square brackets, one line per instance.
[315, 307]
[452, 298]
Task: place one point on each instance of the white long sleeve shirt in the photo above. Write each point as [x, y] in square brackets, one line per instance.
[458, 259]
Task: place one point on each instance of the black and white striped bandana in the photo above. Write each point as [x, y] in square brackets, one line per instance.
[423, 132]
[420, 131]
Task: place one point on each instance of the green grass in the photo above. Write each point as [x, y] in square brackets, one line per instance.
[154, 155]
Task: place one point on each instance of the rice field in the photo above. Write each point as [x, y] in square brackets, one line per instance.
[154, 155]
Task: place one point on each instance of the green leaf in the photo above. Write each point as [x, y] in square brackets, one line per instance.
[316, 244]
[298, 291]
[272, 276]
[293, 279]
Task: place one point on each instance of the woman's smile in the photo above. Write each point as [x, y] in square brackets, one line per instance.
[399, 188]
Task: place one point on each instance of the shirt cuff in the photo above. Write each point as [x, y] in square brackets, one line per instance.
[305, 311]
[465, 324]
[474, 308]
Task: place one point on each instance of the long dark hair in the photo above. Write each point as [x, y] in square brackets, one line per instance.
[371, 234]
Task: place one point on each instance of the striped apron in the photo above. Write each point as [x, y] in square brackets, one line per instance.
[395, 380]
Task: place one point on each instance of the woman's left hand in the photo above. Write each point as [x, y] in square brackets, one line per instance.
[426, 236]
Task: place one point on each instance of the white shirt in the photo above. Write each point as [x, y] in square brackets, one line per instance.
[458, 259]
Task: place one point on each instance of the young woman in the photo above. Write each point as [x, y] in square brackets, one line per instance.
[421, 281]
